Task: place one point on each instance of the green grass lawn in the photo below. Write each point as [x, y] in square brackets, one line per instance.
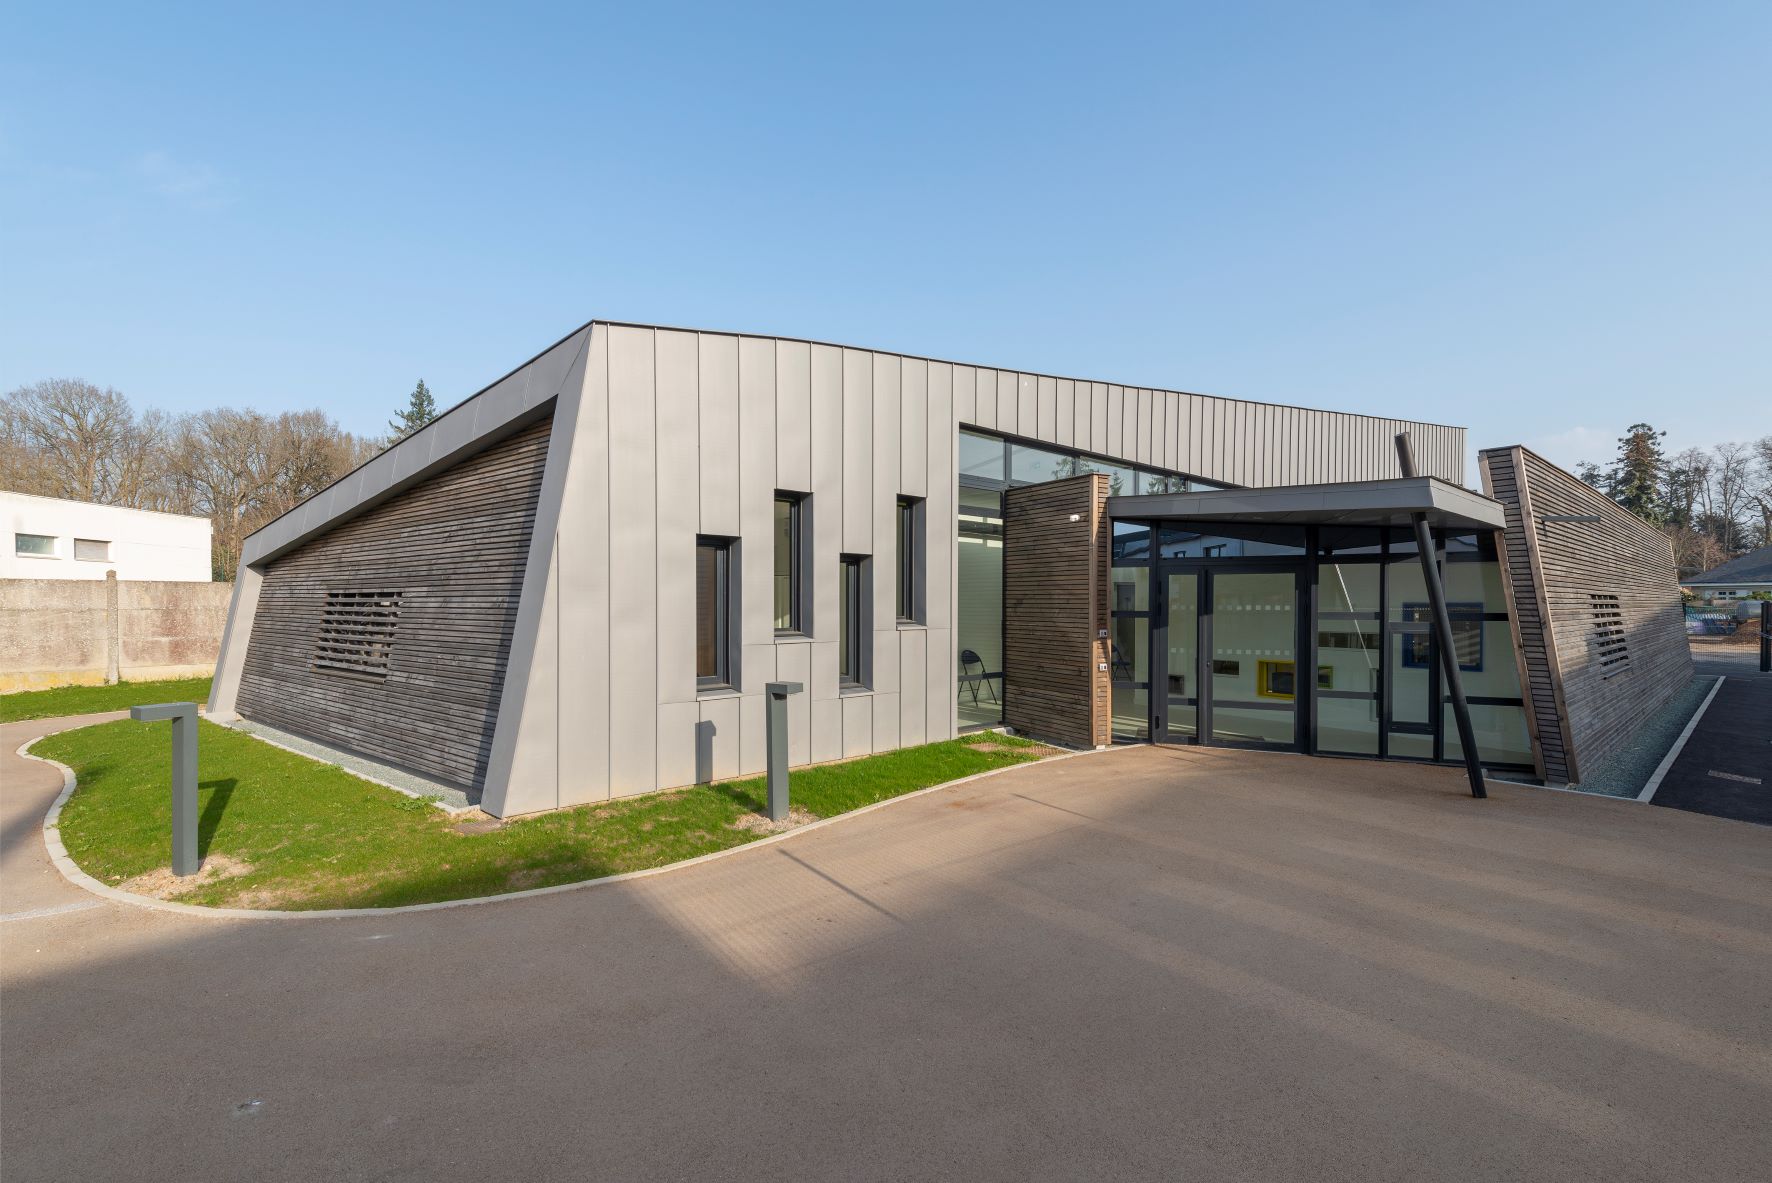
[313, 836]
[85, 700]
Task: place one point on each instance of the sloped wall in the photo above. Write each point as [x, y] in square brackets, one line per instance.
[1598, 623]
[453, 549]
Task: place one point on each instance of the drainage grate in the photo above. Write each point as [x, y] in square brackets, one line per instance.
[1610, 648]
[357, 632]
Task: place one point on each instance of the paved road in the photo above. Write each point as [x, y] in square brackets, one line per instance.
[1725, 769]
[1139, 965]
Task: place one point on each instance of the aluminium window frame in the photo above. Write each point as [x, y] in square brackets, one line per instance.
[854, 587]
[725, 550]
[799, 562]
[910, 523]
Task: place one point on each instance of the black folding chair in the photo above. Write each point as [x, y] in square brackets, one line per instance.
[968, 659]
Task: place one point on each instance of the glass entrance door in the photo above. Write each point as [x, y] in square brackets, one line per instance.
[1181, 657]
[1226, 640]
[1253, 651]
[1411, 687]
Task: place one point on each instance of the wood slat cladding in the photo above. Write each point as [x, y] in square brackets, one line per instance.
[435, 575]
[1055, 608]
[1597, 620]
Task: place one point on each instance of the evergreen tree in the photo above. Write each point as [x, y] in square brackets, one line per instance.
[420, 409]
[1636, 478]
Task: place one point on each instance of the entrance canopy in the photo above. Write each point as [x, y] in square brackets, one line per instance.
[1355, 503]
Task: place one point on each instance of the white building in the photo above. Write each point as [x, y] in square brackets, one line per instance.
[51, 538]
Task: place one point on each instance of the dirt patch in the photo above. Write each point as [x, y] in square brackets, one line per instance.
[476, 823]
[757, 823]
[162, 884]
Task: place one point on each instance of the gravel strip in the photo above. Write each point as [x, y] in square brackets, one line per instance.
[1626, 771]
[449, 797]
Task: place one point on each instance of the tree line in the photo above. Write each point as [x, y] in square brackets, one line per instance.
[1712, 503]
[238, 467]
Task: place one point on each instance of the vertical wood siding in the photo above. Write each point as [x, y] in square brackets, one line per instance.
[1562, 577]
[454, 549]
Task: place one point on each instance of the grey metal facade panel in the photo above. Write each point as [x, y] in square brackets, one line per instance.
[633, 552]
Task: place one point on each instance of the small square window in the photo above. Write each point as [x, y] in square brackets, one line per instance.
[92, 550]
[37, 546]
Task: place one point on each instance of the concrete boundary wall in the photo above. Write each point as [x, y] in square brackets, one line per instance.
[61, 632]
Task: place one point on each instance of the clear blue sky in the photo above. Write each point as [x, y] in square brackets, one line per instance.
[1541, 220]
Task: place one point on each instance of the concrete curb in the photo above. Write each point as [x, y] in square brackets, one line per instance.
[58, 853]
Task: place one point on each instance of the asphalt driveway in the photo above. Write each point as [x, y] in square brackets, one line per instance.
[1141, 964]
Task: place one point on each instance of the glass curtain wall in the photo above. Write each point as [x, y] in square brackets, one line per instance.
[1370, 645]
[988, 465]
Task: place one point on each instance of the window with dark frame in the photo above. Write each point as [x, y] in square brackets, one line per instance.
[790, 550]
[713, 612]
[851, 658]
[909, 510]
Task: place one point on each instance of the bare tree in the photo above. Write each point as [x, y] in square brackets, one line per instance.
[68, 438]
[1687, 482]
[1761, 488]
[1734, 474]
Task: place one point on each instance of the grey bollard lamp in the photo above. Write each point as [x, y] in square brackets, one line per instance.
[777, 731]
[184, 778]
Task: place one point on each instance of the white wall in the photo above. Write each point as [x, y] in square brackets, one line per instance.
[143, 544]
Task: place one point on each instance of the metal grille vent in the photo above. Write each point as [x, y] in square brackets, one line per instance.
[1610, 648]
[357, 632]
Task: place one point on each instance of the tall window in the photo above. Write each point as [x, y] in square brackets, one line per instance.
[851, 657]
[713, 609]
[910, 510]
[789, 547]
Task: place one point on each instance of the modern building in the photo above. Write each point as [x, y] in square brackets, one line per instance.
[1738, 579]
[575, 584]
[53, 538]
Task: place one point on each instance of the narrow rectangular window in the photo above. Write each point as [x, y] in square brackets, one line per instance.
[910, 513]
[41, 545]
[713, 608]
[789, 549]
[851, 657]
[92, 550]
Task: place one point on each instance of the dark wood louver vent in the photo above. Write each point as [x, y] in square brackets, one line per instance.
[357, 632]
[1610, 648]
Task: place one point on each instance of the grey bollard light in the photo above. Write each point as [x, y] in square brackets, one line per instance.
[777, 731]
[184, 778]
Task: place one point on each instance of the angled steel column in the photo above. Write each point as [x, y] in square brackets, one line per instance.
[1436, 598]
